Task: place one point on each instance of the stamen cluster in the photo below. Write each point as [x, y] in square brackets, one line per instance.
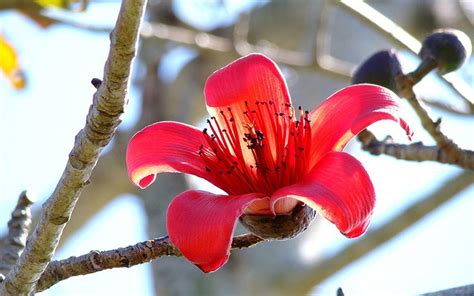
[257, 147]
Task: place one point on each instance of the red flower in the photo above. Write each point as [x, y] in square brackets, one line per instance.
[267, 156]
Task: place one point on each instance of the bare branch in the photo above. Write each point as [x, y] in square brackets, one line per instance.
[18, 229]
[129, 256]
[463, 290]
[102, 121]
[320, 271]
[238, 45]
[415, 151]
[451, 149]
[446, 107]
[323, 38]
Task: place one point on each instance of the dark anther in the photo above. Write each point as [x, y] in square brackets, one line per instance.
[213, 117]
[208, 169]
[224, 130]
[270, 102]
[204, 131]
[208, 121]
[231, 119]
[300, 148]
[288, 105]
[281, 113]
[96, 82]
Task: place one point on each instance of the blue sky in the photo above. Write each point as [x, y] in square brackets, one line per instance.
[40, 122]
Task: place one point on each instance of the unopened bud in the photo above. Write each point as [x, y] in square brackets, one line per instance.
[381, 68]
[448, 48]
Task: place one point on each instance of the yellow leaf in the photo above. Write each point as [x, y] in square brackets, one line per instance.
[76, 5]
[10, 65]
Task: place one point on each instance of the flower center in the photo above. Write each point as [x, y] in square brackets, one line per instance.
[257, 147]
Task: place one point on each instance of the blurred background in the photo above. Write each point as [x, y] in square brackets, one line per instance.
[59, 50]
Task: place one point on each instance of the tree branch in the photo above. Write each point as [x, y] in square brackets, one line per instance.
[463, 290]
[129, 256]
[415, 151]
[18, 229]
[102, 121]
[320, 271]
[451, 150]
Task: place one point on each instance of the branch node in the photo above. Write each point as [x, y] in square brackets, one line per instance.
[96, 260]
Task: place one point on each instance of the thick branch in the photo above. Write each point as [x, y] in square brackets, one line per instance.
[18, 229]
[415, 151]
[102, 120]
[320, 271]
[129, 256]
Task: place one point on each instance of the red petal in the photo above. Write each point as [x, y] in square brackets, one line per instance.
[237, 91]
[201, 225]
[347, 112]
[166, 147]
[340, 189]
[253, 77]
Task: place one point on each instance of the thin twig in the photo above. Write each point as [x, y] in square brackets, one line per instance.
[102, 121]
[129, 256]
[453, 152]
[446, 107]
[306, 281]
[415, 151]
[323, 39]
[238, 45]
[18, 229]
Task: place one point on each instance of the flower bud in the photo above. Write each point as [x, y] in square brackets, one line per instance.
[381, 68]
[279, 226]
[449, 48]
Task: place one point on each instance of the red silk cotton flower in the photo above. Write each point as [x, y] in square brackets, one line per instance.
[269, 158]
